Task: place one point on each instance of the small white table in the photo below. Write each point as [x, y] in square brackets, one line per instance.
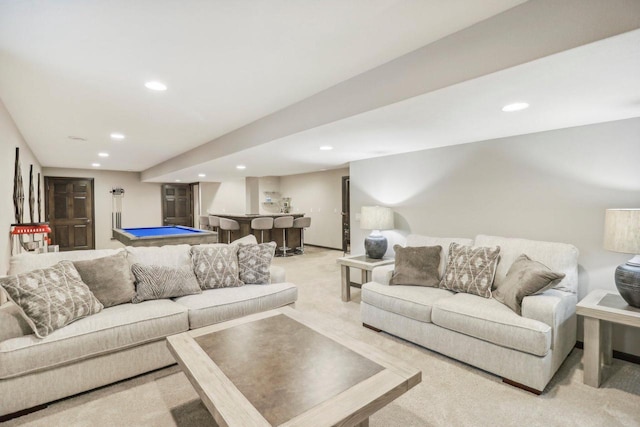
[600, 309]
[365, 264]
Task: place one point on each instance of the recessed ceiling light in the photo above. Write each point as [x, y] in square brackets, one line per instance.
[117, 136]
[326, 147]
[155, 85]
[178, 180]
[95, 165]
[103, 154]
[516, 106]
[77, 138]
[241, 167]
[201, 175]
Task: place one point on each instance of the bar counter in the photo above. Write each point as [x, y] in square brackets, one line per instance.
[293, 234]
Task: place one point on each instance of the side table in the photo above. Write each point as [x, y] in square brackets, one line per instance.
[364, 263]
[600, 309]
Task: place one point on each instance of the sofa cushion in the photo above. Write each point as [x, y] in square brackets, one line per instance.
[168, 255]
[559, 257]
[409, 301]
[113, 329]
[416, 265]
[27, 261]
[489, 320]
[445, 242]
[218, 305]
[52, 297]
[109, 278]
[525, 277]
[159, 281]
[471, 269]
[254, 262]
[216, 266]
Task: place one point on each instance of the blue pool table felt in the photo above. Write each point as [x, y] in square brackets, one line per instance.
[161, 231]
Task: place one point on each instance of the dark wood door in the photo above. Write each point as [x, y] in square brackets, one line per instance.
[346, 225]
[177, 204]
[69, 211]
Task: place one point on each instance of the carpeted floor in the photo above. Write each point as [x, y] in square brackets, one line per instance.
[451, 393]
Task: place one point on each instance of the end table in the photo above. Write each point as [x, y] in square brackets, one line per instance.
[364, 263]
[600, 309]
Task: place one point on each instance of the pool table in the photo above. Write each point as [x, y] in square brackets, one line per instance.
[160, 236]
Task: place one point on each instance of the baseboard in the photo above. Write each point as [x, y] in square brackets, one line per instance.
[617, 354]
[322, 247]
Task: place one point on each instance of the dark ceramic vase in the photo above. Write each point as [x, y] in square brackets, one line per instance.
[375, 246]
[627, 279]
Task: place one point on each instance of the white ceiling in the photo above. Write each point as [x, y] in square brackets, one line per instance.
[590, 84]
[77, 68]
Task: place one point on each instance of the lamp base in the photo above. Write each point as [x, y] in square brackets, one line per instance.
[375, 246]
[627, 279]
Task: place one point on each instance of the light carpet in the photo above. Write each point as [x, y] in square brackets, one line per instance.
[450, 394]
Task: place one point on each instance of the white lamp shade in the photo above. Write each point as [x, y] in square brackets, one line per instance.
[622, 230]
[376, 218]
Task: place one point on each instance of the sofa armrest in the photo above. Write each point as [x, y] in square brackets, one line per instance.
[278, 274]
[556, 309]
[382, 274]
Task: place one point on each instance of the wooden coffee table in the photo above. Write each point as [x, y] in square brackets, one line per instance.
[279, 368]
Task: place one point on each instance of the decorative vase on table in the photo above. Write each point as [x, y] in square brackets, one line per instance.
[622, 234]
[375, 218]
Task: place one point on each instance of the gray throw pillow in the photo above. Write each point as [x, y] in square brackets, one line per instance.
[216, 266]
[254, 262]
[159, 281]
[416, 265]
[470, 270]
[51, 298]
[109, 278]
[525, 277]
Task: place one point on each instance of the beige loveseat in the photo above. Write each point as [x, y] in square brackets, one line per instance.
[526, 350]
[120, 341]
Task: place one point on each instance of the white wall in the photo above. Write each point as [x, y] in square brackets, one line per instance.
[319, 196]
[141, 207]
[269, 184]
[10, 138]
[223, 197]
[551, 186]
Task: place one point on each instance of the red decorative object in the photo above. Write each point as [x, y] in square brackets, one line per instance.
[31, 228]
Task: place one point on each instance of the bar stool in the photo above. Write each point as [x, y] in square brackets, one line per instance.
[301, 223]
[283, 222]
[262, 224]
[229, 225]
[204, 222]
[214, 223]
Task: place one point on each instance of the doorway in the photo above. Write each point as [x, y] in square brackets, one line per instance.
[177, 204]
[346, 217]
[69, 209]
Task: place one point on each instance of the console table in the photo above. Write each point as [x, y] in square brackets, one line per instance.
[600, 309]
[362, 262]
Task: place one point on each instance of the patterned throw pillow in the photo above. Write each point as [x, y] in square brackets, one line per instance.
[525, 277]
[254, 262]
[470, 270]
[52, 297]
[159, 281]
[216, 266]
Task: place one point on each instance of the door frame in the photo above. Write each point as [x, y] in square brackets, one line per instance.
[49, 179]
[346, 214]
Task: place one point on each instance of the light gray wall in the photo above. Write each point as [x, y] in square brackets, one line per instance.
[10, 138]
[319, 196]
[551, 186]
[141, 206]
[223, 197]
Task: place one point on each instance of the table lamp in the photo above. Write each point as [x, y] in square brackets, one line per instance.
[622, 234]
[375, 218]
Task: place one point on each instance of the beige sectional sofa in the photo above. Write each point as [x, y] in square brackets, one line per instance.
[120, 341]
[526, 350]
